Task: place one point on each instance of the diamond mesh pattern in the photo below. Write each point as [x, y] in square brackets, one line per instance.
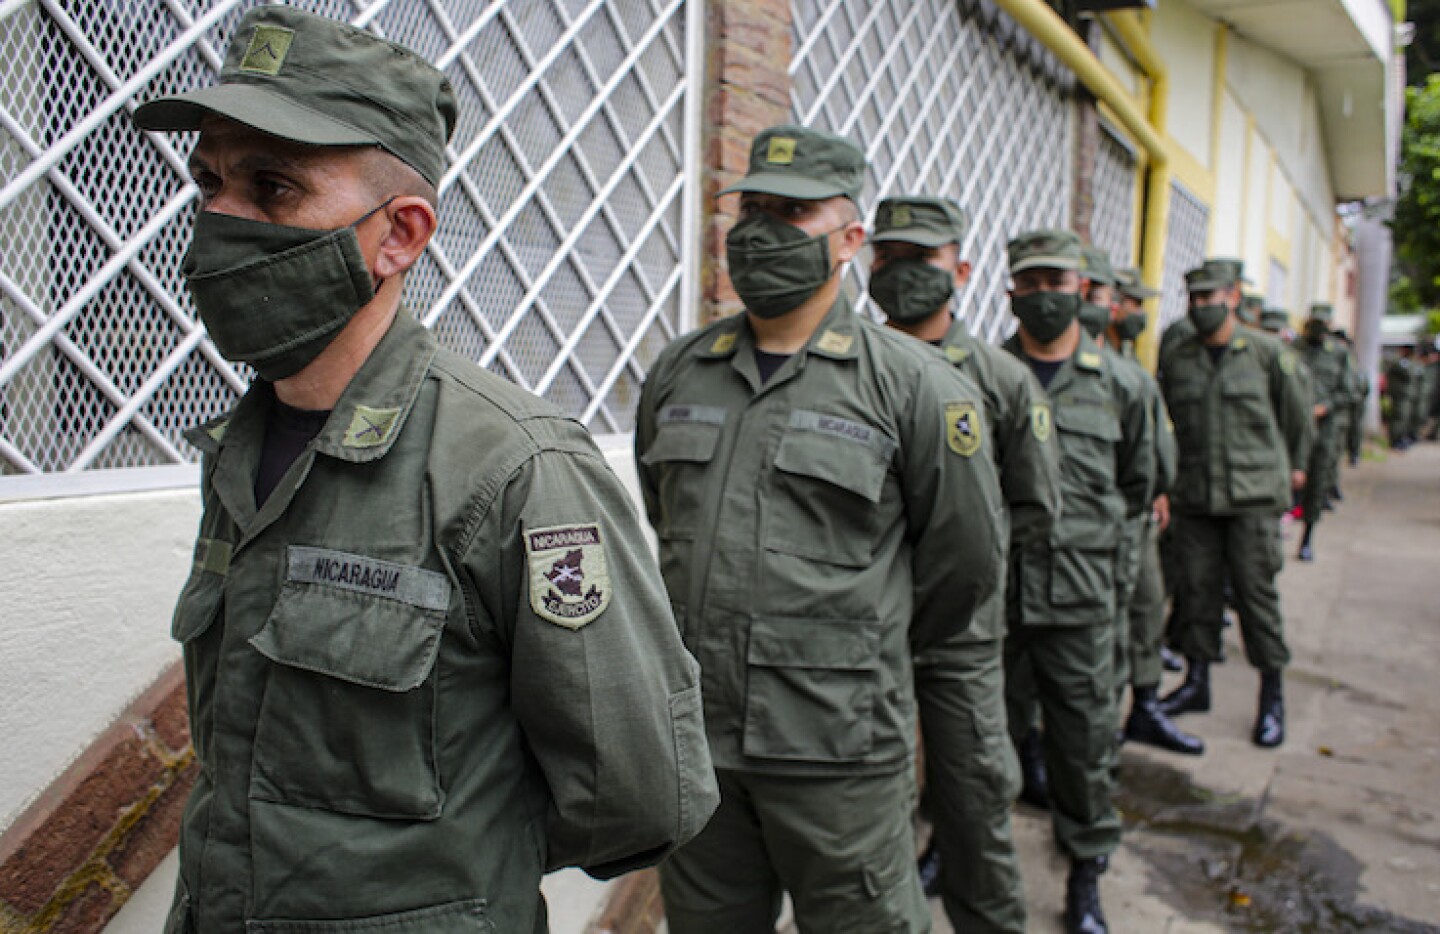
[949, 98]
[1185, 239]
[1112, 226]
[558, 262]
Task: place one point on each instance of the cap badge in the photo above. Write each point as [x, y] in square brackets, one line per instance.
[267, 51]
[900, 216]
[781, 151]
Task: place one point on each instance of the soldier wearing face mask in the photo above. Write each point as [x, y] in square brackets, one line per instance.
[425, 643]
[1061, 597]
[971, 773]
[1243, 426]
[1332, 380]
[827, 506]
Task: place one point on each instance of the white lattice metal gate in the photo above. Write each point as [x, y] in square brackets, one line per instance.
[1112, 225]
[948, 97]
[1185, 239]
[563, 258]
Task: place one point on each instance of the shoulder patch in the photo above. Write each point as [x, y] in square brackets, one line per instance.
[1287, 363]
[1090, 360]
[569, 579]
[723, 343]
[217, 430]
[1240, 343]
[835, 342]
[957, 354]
[962, 428]
[1041, 421]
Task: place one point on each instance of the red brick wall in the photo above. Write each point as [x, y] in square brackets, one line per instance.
[747, 89]
[76, 855]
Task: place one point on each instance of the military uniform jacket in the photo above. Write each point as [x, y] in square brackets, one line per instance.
[1241, 426]
[1166, 453]
[1026, 453]
[814, 531]
[1107, 472]
[437, 662]
[1331, 372]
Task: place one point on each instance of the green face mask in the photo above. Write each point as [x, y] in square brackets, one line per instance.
[1208, 318]
[1046, 315]
[274, 296]
[774, 266]
[911, 290]
[1130, 327]
[1094, 318]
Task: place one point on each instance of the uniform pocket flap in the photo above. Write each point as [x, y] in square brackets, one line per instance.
[844, 463]
[834, 644]
[689, 442]
[348, 633]
[1090, 420]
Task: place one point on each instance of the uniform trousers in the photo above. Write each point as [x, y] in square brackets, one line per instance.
[1247, 548]
[842, 846]
[971, 779]
[1319, 477]
[1147, 614]
[1071, 667]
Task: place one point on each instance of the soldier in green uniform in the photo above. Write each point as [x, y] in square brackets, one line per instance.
[971, 773]
[1349, 415]
[1061, 594]
[1147, 723]
[1402, 379]
[827, 505]
[1275, 321]
[427, 654]
[1331, 383]
[1243, 427]
[1251, 308]
[1355, 438]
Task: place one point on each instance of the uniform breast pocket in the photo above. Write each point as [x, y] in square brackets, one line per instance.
[680, 456]
[827, 506]
[1088, 435]
[193, 625]
[347, 722]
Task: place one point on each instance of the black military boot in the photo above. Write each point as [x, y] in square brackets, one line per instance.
[1035, 787]
[1270, 721]
[1082, 897]
[929, 867]
[1148, 724]
[1306, 552]
[1191, 697]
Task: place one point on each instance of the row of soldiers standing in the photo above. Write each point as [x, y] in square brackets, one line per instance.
[1412, 395]
[856, 527]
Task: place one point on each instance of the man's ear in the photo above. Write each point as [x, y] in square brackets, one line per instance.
[412, 224]
[852, 240]
[962, 273]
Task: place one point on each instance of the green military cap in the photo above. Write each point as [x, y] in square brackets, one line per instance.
[1321, 311]
[1274, 319]
[1215, 274]
[1096, 265]
[1047, 249]
[1251, 307]
[320, 82]
[1132, 286]
[928, 222]
[798, 162]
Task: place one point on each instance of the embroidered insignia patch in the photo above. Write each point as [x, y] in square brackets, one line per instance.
[1092, 360]
[370, 427]
[1040, 421]
[569, 580]
[900, 217]
[781, 151]
[267, 51]
[724, 343]
[957, 354]
[834, 342]
[962, 428]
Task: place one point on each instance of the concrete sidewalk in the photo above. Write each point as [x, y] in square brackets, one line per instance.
[1339, 829]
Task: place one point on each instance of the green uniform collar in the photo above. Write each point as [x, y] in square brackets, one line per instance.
[1089, 358]
[834, 337]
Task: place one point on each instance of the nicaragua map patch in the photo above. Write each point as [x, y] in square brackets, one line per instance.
[1040, 421]
[569, 580]
[962, 428]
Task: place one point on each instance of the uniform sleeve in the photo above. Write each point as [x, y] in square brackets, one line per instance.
[644, 435]
[1135, 471]
[1293, 407]
[605, 693]
[1167, 453]
[953, 505]
[1029, 462]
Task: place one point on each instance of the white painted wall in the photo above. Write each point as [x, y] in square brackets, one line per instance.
[1185, 41]
[87, 585]
[1227, 216]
